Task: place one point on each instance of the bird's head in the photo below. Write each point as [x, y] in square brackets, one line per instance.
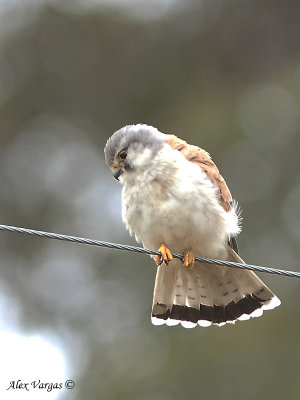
[132, 147]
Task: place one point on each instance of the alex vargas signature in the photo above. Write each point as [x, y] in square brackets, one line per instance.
[38, 384]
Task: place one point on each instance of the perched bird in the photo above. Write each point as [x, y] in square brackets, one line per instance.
[175, 200]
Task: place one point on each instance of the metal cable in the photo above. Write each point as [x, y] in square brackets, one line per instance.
[117, 246]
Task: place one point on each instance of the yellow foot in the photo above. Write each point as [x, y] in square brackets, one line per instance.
[188, 259]
[165, 256]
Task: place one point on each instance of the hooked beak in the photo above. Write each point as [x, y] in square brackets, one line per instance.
[117, 174]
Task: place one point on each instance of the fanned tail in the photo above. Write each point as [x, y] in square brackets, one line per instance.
[208, 294]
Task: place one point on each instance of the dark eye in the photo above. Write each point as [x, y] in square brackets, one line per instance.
[123, 154]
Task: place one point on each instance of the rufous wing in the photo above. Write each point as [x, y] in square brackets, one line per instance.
[202, 158]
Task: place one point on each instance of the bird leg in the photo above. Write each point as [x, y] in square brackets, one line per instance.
[165, 256]
[188, 259]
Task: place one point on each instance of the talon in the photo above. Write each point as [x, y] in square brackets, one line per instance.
[165, 256]
[188, 259]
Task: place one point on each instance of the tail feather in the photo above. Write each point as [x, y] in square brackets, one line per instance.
[208, 294]
[164, 293]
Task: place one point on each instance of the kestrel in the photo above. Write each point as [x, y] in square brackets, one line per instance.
[175, 200]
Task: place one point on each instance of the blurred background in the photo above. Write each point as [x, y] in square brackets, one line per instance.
[224, 75]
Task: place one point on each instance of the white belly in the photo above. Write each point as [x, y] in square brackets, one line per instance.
[177, 207]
